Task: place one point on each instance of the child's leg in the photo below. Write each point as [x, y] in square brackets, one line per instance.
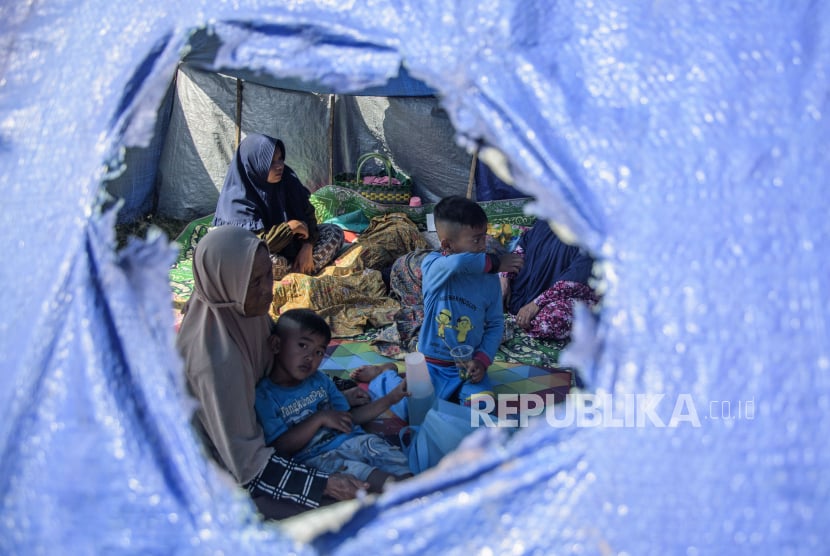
[367, 373]
[445, 380]
[370, 458]
[384, 456]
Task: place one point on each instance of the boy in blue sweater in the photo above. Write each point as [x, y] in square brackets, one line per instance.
[462, 305]
[305, 417]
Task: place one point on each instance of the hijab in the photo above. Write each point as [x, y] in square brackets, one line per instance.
[247, 199]
[225, 352]
[547, 260]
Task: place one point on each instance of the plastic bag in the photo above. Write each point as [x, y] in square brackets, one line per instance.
[443, 429]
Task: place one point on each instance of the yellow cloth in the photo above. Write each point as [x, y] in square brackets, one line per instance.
[351, 294]
[348, 299]
[388, 237]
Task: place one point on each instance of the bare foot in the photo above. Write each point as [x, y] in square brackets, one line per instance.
[366, 373]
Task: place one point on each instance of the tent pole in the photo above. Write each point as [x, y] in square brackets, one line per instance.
[472, 174]
[238, 111]
[331, 138]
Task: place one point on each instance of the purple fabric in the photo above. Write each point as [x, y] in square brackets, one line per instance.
[547, 261]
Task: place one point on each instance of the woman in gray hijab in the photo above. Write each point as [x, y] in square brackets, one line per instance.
[223, 342]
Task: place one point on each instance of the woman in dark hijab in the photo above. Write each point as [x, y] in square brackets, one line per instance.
[555, 275]
[262, 194]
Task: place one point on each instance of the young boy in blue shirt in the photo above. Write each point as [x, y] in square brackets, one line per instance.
[304, 416]
[462, 305]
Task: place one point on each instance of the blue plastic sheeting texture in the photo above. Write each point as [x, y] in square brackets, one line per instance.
[683, 142]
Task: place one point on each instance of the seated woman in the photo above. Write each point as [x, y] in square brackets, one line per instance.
[223, 341]
[265, 196]
[554, 276]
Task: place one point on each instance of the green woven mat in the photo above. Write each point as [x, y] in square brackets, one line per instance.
[530, 351]
[181, 273]
[333, 200]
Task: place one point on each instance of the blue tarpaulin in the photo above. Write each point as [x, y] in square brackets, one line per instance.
[684, 143]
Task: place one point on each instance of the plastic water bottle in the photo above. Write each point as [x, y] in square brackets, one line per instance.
[419, 384]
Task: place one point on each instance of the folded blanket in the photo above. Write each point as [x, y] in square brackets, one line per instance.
[380, 180]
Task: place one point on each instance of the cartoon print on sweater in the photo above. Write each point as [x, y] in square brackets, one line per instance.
[443, 319]
[463, 325]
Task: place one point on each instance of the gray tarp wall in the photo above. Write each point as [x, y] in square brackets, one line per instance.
[200, 140]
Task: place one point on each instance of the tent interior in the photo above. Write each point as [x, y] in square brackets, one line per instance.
[206, 111]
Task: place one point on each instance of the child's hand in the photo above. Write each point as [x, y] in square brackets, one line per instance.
[511, 263]
[398, 393]
[333, 419]
[476, 370]
[357, 396]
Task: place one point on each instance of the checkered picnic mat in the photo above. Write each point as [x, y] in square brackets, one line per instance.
[508, 378]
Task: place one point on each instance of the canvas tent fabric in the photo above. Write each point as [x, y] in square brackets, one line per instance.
[198, 139]
[684, 143]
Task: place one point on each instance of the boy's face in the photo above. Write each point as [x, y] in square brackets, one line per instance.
[466, 239]
[297, 355]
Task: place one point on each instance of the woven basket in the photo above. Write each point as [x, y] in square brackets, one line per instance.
[394, 194]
